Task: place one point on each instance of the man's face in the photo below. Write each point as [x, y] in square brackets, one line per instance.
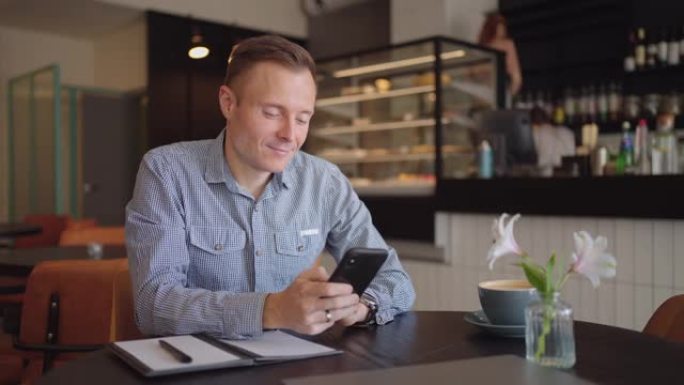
[268, 111]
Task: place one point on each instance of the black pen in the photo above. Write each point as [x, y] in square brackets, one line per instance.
[175, 352]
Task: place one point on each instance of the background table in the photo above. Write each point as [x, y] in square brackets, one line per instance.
[605, 354]
[20, 262]
[9, 230]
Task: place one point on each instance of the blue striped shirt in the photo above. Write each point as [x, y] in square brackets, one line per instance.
[204, 254]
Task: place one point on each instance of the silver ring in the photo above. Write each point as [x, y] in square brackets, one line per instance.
[328, 316]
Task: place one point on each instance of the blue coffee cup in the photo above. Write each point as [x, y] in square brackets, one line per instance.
[504, 301]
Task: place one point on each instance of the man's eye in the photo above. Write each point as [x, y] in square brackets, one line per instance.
[302, 121]
[270, 114]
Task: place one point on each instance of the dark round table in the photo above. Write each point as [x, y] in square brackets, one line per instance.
[12, 230]
[605, 355]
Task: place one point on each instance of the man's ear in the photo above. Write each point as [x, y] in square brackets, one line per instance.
[227, 100]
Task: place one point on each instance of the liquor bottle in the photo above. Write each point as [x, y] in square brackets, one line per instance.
[569, 106]
[626, 155]
[592, 104]
[641, 155]
[558, 112]
[673, 48]
[640, 48]
[651, 51]
[602, 104]
[681, 45]
[630, 61]
[663, 47]
[614, 102]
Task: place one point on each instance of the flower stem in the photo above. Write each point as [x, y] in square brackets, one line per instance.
[548, 316]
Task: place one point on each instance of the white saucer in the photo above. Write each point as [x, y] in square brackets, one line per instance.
[479, 319]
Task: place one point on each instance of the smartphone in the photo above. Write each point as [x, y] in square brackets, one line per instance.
[358, 267]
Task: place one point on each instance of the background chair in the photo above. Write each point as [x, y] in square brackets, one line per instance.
[52, 225]
[668, 320]
[84, 236]
[83, 223]
[123, 321]
[67, 309]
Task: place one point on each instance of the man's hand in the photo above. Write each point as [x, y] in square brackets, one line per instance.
[360, 314]
[302, 306]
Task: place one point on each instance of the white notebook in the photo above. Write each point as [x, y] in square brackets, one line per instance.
[151, 359]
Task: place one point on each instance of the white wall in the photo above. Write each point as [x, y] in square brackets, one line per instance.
[649, 253]
[24, 51]
[460, 19]
[121, 58]
[283, 16]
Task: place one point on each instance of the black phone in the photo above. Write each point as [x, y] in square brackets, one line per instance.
[358, 267]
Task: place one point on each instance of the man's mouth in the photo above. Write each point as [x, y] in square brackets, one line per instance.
[281, 150]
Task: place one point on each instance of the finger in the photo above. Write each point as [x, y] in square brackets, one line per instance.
[337, 302]
[334, 315]
[327, 289]
[358, 315]
[317, 273]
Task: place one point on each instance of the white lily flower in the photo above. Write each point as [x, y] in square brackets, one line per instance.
[504, 241]
[590, 258]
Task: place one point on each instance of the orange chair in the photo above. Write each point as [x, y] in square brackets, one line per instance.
[123, 321]
[52, 225]
[67, 309]
[104, 235]
[83, 223]
[668, 320]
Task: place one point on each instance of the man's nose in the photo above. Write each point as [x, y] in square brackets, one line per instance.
[286, 131]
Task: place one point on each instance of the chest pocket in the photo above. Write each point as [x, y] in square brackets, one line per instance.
[217, 240]
[293, 244]
[216, 259]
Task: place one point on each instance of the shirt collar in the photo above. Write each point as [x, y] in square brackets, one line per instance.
[217, 170]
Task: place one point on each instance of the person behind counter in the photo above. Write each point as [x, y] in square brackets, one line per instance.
[552, 142]
[494, 34]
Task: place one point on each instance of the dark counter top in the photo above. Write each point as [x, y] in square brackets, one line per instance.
[659, 196]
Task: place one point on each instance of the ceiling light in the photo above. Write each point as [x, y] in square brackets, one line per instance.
[198, 50]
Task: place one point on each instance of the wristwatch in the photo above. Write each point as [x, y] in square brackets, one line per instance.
[372, 310]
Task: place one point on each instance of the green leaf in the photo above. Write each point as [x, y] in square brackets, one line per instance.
[550, 267]
[535, 275]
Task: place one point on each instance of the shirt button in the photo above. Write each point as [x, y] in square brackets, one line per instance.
[256, 208]
[258, 253]
[218, 247]
[300, 248]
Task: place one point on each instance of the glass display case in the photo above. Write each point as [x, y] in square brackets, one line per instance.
[391, 128]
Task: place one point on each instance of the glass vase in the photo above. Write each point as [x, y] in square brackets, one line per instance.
[549, 333]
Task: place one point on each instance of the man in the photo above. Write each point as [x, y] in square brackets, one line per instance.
[222, 233]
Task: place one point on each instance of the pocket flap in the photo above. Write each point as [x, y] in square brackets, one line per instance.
[217, 240]
[292, 243]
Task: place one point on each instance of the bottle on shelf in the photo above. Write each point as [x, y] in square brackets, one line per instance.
[641, 155]
[673, 53]
[625, 159]
[630, 61]
[558, 112]
[486, 160]
[663, 48]
[614, 102]
[602, 104]
[569, 105]
[640, 49]
[651, 51]
[664, 151]
[592, 104]
[681, 44]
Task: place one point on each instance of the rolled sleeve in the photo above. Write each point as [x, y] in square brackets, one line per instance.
[352, 226]
[156, 240]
